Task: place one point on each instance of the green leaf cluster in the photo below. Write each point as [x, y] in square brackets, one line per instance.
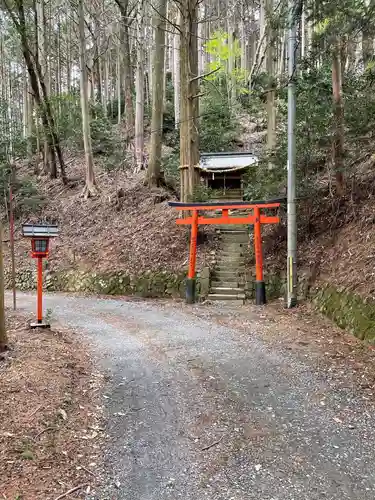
[221, 50]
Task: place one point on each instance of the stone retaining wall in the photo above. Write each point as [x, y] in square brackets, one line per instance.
[349, 311]
[149, 284]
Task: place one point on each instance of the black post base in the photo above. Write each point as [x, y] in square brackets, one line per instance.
[260, 293]
[292, 302]
[190, 290]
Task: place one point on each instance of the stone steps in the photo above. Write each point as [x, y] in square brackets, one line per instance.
[235, 239]
[228, 274]
[239, 231]
[231, 266]
[225, 276]
[231, 228]
[230, 195]
[225, 284]
[223, 290]
[229, 255]
[213, 296]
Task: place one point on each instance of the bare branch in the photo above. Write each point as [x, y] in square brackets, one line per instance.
[205, 75]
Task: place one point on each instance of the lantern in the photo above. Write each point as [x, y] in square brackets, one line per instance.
[40, 236]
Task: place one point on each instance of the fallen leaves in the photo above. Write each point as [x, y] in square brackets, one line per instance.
[48, 400]
[62, 414]
[99, 228]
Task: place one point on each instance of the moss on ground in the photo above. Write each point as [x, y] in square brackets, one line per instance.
[347, 310]
[149, 285]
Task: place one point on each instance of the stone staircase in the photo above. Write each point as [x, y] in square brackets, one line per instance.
[229, 195]
[228, 274]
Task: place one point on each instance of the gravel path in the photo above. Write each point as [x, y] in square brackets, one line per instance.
[199, 411]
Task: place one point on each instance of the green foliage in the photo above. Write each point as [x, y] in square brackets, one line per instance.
[334, 29]
[217, 128]
[66, 109]
[27, 455]
[169, 89]
[262, 183]
[170, 164]
[103, 140]
[168, 118]
[68, 119]
[10, 126]
[202, 194]
[221, 51]
[313, 138]
[314, 129]
[112, 108]
[25, 192]
[219, 48]
[172, 139]
[28, 199]
[48, 315]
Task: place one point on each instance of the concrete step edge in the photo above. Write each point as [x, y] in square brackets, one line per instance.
[225, 273]
[226, 291]
[226, 284]
[213, 296]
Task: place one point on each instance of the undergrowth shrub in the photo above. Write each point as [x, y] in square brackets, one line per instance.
[112, 108]
[67, 110]
[314, 131]
[217, 131]
[104, 140]
[168, 118]
[202, 194]
[28, 199]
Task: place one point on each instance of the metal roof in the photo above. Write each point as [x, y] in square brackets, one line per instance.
[219, 204]
[40, 230]
[226, 161]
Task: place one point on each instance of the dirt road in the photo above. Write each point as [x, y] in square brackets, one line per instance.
[199, 411]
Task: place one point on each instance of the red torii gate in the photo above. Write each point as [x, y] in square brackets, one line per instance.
[256, 219]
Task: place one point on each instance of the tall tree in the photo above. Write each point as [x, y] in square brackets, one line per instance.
[37, 81]
[49, 158]
[90, 184]
[189, 107]
[270, 68]
[127, 13]
[3, 332]
[140, 91]
[158, 76]
[338, 118]
[176, 71]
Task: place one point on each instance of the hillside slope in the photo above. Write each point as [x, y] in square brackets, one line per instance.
[125, 228]
[336, 236]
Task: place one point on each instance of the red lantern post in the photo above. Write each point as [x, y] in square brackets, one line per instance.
[40, 236]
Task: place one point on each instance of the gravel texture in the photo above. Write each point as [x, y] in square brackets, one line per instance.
[200, 411]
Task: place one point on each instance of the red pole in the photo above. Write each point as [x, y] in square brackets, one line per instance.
[260, 289]
[190, 282]
[40, 291]
[11, 237]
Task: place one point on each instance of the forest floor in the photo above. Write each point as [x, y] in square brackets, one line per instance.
[49, 413]
[112, 231]
[225, 402]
